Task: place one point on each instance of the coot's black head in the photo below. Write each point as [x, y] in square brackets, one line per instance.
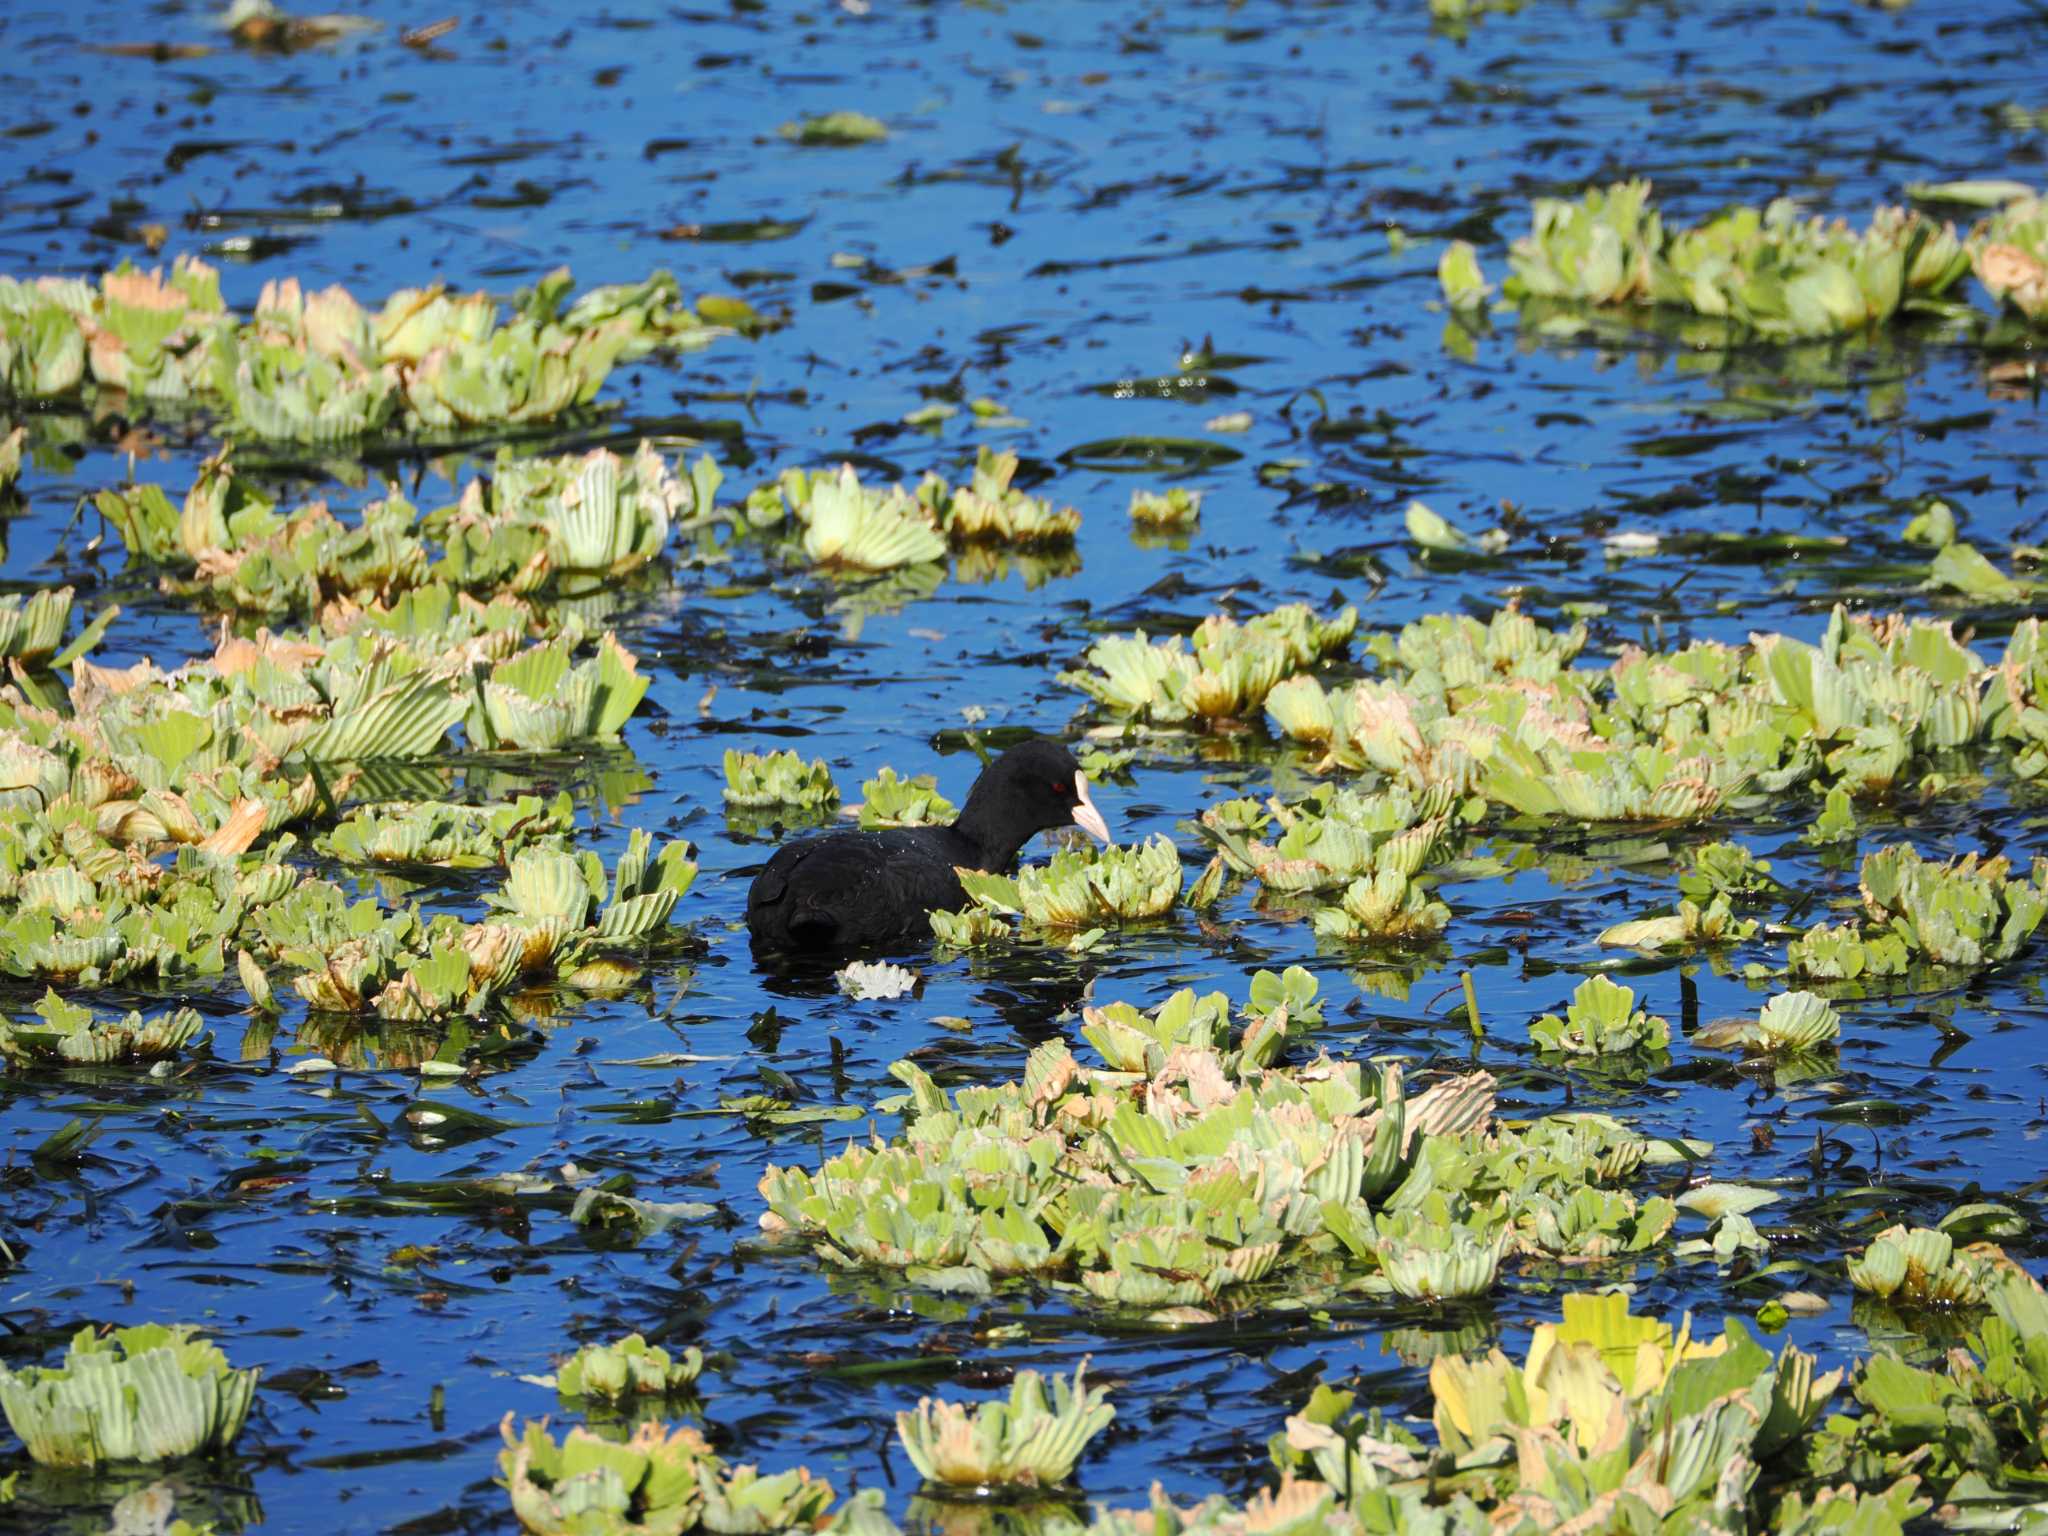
[1032, 788]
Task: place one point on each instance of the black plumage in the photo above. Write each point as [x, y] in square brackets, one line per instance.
[847, 891]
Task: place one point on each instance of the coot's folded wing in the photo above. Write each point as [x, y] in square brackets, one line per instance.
[852, 887]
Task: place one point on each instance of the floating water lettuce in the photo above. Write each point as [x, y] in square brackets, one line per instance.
[1770, 271]
[658, 1480]
[541, 702]
[852, 526]
[2009, 253]
[1923, 1267]
[629, 1368]
[835, 128]
[1225, 670]
[1176, 510]
[1602, 1019]
[74, 1035]
[319, 368]
[1078, 889]
[445, 834]
[1789, 1022]
[1202, 1160]
[887, 801]
[756, 780]
[990, 508]
[149, 1393]
[1024, 1442]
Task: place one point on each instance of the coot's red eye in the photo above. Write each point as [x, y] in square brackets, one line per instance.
[1061, 787]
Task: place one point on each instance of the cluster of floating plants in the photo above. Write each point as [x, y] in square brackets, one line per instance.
[1612, 1421]
[1206, 1167]
[1496, 711]
[1773, 272]
[320, 368]
[1223, 671]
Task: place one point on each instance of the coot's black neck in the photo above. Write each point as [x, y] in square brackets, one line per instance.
[995, 827]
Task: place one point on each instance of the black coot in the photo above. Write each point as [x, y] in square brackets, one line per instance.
[842, 891]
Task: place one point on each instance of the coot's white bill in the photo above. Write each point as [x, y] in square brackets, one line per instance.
[1086, 816]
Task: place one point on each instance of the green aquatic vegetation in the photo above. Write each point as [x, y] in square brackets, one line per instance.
[1597, 249]
[1464, 286]
[835, 128]
[1281, 1006]
[1840, 952]
[887, 801]
[1224, 670]
[2009, 253]
[1770, 271]
[557, 914]
[1441, 1263]
[1174, 510]
[1970, 912]
[600, 515]
[627, 1369]
[1970, 1426]
[32, 628]
[149, 1393]
[1691, 925]
[73, 1035]
[658, 1480]
[1388, 907]
[1187, 1171]
[449, 835]
[1790, 1023]
[990, 509]
[973, 927]
[11, 444]
[1081, 889]
[1603, 1019]
[1590, 1224]
[1836, 822]
[851, 526]
[541, 702]
[1613, 1421]
[754, 781]
[320, 368]
[1726, 869]
[1923, 1267]
[1024, 1442]
[1333, 836]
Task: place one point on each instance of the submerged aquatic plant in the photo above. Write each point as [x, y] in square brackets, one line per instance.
[149, 1393]
[1602, 1019]
[1024, 1442]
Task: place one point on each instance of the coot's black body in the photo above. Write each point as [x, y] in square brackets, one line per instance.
[849, 891]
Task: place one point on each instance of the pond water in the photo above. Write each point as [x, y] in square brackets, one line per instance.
[1071, 200]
